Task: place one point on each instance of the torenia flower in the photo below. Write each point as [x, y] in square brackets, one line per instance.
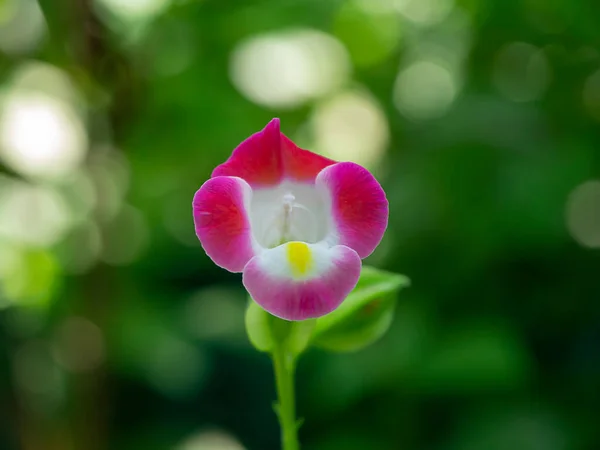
[294, 223]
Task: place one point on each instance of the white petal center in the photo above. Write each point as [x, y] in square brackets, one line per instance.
[289, 212]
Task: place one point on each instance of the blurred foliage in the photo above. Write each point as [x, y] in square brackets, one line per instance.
[480, 118]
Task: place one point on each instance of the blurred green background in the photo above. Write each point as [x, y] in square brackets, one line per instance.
[481, 119]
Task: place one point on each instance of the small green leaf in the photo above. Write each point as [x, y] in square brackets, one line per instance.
[258, 327]
[364, 316]
[265, 331]
[300, 336]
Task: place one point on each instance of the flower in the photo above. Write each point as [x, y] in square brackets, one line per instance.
[295, 224]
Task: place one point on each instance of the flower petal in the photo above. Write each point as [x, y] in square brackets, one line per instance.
[300, 164]
[298, 281]
[257, 160]
[221, 221]
[267, 157]
[358, 205]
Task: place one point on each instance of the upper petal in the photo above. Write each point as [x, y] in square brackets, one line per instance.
[222, 224]
[300, 164]
[298, 281]
[257, 160]
[267, 157]
[359, 206]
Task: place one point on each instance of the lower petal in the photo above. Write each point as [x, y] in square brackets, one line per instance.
[359, 206]
[221, 221]
[298, 281]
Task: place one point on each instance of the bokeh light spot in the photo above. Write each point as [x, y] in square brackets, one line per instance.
[591, 94]
[583, 214]
[176, 368]
[22, 26]
[42, 78]
[135, 10]
[32, 215]
[215, 313]
[40, 136]
[289, 68]
[10, 257]
[521, 72]
[79, 345]
[80, 249]
[370, 33]
[424, 90]
[210, 440]
[79, 194]
[351, 127]
[126, 236]
[28, 277]
[425, 12]
[109, 172]
[41, 383]
[171, 48]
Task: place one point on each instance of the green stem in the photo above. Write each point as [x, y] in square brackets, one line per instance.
[284, 377]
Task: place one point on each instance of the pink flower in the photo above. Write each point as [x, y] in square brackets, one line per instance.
[294, 223]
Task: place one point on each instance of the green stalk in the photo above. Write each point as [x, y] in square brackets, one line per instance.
[286, 410]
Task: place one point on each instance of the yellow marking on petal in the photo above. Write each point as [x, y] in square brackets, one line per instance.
[299, 257]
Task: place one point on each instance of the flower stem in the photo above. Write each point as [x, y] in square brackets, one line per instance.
[284, 377]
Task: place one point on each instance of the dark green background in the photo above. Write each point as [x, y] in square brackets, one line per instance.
[496, 345]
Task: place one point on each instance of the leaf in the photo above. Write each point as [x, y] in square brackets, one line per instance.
[257, 327]
[265, 331]
[300, 336]
[364, 316]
